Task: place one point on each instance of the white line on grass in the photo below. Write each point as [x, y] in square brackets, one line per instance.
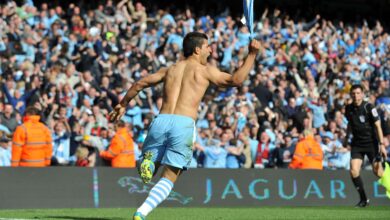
[15, 218]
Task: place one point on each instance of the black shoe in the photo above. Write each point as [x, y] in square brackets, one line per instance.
[362, 203]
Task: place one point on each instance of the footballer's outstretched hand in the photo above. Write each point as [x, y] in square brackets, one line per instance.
[117, 113]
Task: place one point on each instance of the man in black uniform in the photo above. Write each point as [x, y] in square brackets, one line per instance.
[364, 123]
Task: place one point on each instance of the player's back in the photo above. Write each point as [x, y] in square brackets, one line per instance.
[184, 86]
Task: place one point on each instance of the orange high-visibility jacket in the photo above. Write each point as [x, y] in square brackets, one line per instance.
[308, 155]
[31, 144]
[121, 150]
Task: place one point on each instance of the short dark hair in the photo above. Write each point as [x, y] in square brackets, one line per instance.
[120, 124]
[357, 86]
[191, 41]
[31, 110]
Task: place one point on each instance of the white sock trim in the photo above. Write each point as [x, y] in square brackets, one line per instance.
[157, 195]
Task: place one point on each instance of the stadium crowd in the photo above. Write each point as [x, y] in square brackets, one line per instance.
[74, 64]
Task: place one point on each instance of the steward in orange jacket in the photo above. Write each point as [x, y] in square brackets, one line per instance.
[121, 149]
[32, 142]
[308, 154]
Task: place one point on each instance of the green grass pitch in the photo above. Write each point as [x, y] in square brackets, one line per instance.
[311, 213]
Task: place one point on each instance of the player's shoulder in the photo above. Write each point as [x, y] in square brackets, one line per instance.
[186, 64]
[179, 63]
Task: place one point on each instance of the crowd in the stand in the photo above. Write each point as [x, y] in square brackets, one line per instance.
[73, 64]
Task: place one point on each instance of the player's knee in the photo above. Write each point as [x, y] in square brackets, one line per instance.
[354, 172]
[171, 173]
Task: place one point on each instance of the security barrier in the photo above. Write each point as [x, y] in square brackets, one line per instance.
[70, 187]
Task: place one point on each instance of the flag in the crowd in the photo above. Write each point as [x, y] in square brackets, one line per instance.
[248, 15]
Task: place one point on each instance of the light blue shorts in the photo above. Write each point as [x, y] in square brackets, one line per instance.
[170, 139]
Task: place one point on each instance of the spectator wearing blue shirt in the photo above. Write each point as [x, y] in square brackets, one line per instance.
[175, 38]
[28, 48]
[215, 154]
[202, 123]
[133, 114]
[61, 143]
[18, 101]
[243, 38]
[309, 58]
[337, 156]
[203, 137]
[167, 19]
[231, 146]
[189, 24]
[227, 54]
[318, 113]
[53, 17]
[205, 23]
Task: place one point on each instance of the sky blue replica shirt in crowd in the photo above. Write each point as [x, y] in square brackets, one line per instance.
[215, 157]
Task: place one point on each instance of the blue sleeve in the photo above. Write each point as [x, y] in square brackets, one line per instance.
[342, 161]
[2, 46]
[209, 153]
[311, 106]
[170, 39]
[330, 101]
[305, 39]
[10, 99]
[98, 47]
[134, 111]
[342, 43]
[28, 94]
[358, 41]
[66, 135]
